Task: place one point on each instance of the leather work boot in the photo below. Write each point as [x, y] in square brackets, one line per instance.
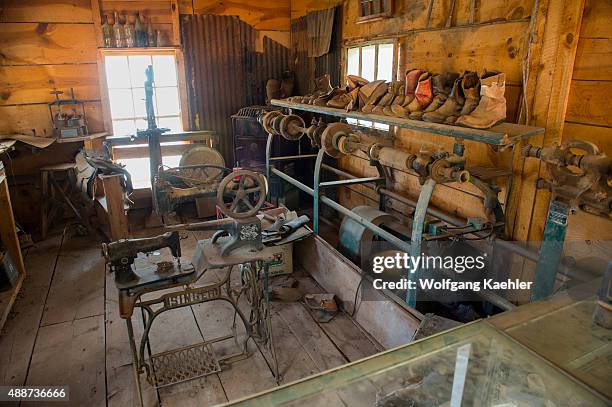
[323, 99]
[471, 91]
[387, 98]
[492, 107]
[412, 80]
[371, 93]
[344, 100]
[398, 98]
[422, 95]
[341, 100]
[451, 107]
[441, 88]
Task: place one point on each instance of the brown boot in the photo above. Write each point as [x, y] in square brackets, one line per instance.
[371, 93]
[398, 98]
[412, 80]
[492, 107]
[387, 99]
[441, 88]
[451, 107]
[423, 94]
[471, 91]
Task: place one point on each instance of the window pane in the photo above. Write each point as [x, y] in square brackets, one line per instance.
[167, 101]
[385, 62]
[121, 103]
[141, 124]
[138, 66]
[381, 126]
[364, 123]
[172, 123]
[117, 72]
[351, 121]
[165, 70]
[352, 67]
[123, 127]
[367, 62]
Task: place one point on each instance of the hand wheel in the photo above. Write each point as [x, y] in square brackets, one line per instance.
[247, 191]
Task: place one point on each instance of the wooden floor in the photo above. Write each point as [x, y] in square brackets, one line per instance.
[65, 330]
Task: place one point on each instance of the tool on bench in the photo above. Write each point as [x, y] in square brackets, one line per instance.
[121, 255]
[67, 124]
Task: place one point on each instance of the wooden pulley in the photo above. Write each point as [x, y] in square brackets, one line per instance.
[292, 127]
[331, 136]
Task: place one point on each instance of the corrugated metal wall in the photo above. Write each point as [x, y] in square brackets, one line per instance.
[225, 73]
[307, 68]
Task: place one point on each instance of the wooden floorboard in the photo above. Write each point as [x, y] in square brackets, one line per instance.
[72, 354]
[19, 333]
[77, 338]
[119, 375]
[77, 290]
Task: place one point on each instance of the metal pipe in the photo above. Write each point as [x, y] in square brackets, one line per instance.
[400, 244]
[337, 171]
[350, 181]
[293, 157]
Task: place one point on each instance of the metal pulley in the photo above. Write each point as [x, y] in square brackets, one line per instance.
[291, 127]
[331, 137]
[247, 192]
[355, 238]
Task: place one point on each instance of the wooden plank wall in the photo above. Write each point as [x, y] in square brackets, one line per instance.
[588, 115]
[494, 40]
[46, 45]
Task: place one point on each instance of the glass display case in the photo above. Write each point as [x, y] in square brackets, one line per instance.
[472, 365]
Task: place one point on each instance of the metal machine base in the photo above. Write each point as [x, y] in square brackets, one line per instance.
[198, 360]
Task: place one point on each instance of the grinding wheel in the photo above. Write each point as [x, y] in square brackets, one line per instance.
[208, 165]
[330, 136]
[292, 127]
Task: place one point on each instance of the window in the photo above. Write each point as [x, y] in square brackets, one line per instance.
[374, 9]
[125, 77]
[371, 62]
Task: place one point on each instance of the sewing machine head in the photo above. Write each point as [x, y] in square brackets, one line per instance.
[121, 255]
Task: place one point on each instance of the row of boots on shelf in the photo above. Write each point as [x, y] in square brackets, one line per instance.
[449, 98]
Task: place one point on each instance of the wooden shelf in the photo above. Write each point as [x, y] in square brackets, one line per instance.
[8, 237]
[501, 135]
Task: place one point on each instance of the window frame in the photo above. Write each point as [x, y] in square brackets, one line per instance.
[386, 7]
[180, 71]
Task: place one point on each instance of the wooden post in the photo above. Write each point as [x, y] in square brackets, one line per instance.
[117, 218]
[551, 73]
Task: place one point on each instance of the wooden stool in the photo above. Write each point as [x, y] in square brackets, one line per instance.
[54, 195]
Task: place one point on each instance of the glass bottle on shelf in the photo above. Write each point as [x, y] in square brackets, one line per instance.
[141, 35]
[129, 31]
[159, 38]
[151, 38]
[118, 33]
[107, 32]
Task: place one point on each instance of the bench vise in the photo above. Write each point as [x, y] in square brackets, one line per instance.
[121, 256]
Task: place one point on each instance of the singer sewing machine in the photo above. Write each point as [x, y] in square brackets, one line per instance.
[237, 241]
